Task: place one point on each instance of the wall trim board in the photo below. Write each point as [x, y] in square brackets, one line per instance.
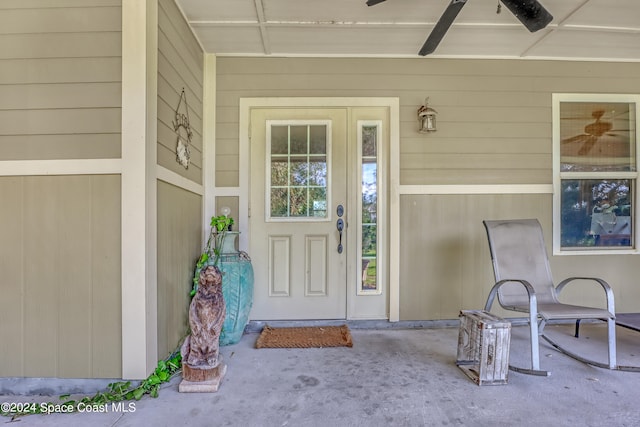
[209, 143]
[60, 167]
[227, 192]
[139, 186]
[170, 177]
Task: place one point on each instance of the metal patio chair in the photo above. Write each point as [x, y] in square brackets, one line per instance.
[524, 284]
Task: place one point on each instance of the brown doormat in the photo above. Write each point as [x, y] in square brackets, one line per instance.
[305, 337]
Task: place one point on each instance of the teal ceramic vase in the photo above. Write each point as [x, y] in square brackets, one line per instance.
[237, 290]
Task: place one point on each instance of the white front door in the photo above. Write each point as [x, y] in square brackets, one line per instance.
[298, 183]
[318, 212]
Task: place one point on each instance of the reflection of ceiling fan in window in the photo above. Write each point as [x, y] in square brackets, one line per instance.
[610, 142]
[531, 13]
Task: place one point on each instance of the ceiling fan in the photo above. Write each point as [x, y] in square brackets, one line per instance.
[592, 133]
[531, 13]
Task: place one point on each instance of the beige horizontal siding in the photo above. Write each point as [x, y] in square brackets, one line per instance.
[60, 96]
[494, 116]
[61, 70]
[180, 67]
[54, 147]
[61, 20]
[30, 4]
[60, 121]
[60, 91]
[60, 45]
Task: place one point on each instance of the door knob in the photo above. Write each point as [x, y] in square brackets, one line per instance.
[340, 227]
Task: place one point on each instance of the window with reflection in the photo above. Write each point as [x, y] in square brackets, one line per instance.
[596, 137]
[298, 164]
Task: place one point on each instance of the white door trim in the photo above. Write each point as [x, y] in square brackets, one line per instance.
[246, 104]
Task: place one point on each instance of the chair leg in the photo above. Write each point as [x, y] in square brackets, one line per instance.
[611, 325]
[535, 348]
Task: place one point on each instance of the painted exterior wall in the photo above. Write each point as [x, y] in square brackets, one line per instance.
[180, 65]
[60, 79]
[179, 244]
[494, 128]
[60, 234]
[60, 263]
[60, 237]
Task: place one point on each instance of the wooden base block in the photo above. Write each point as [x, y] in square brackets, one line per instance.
[198, 375]
[210, 385]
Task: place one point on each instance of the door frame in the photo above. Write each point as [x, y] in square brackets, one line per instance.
[393, 103]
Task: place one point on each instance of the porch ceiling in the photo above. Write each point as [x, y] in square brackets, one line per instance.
[581, 29]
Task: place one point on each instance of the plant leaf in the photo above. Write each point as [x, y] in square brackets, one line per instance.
[138, 393]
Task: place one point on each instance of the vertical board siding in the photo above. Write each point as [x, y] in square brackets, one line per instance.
[60, 276]
[445, 263]
[12, 266]
[179, 237]
[180, 66]
[61, 79]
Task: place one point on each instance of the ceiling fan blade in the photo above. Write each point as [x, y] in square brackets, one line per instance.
[442, 26]
[374, 2]
[588, 145]
[577, 138]
[531, 13]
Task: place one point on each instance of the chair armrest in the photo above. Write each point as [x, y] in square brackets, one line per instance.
[607, 290]
[533, 303]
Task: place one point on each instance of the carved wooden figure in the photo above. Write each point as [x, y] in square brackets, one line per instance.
[206, 316]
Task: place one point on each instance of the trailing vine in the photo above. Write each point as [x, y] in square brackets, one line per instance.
[116, 392]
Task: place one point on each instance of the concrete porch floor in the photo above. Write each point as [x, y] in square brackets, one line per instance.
[391, 377]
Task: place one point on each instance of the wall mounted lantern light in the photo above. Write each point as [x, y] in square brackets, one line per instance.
[426, 118]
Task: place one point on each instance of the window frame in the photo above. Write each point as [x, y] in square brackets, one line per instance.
[268, 157]
[558, 175]
[380, 211]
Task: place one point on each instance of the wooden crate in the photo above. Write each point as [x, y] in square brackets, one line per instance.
[483, 347]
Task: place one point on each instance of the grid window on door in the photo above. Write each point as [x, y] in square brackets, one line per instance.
[298, 173]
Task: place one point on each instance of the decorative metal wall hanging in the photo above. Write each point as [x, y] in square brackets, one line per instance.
[182, 128]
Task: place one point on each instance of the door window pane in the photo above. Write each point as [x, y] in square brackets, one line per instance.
[279, 140]
[279, 171]
[299, 171]
[299, 139]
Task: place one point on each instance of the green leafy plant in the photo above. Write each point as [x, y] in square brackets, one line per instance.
[219, 227]
[115, 392]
